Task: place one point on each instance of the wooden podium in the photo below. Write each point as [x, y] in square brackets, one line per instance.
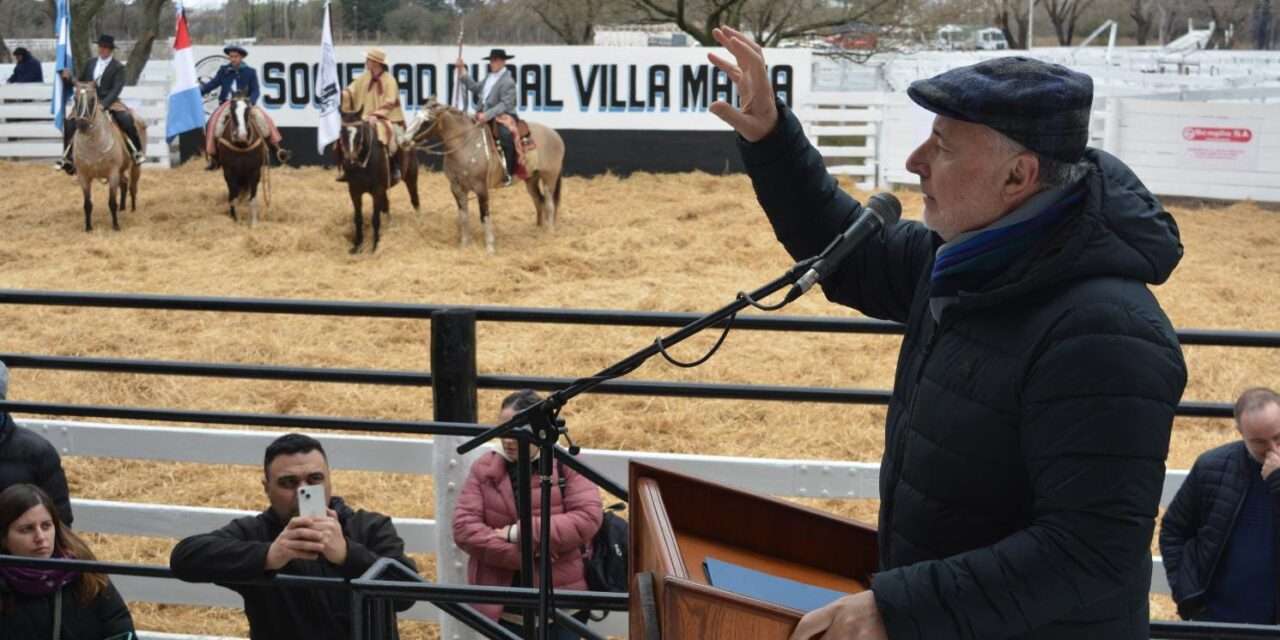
[677, 521]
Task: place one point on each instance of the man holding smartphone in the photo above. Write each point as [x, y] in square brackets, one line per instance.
[340, 542]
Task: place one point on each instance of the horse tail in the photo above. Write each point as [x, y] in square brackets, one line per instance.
[555, 194]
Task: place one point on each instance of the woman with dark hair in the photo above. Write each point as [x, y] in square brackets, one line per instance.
[36, 604]
[486, 521]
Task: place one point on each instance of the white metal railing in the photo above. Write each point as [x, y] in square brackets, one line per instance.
[421, 457]
[836, 122]
[27, 131]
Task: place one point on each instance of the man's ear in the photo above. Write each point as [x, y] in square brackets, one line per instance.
[1023, 178]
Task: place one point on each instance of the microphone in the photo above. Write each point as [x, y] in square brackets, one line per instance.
[880, 211]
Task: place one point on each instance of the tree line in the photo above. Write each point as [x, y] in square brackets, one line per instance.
[1237, 23]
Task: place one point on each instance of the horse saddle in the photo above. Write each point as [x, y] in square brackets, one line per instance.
[523, 139]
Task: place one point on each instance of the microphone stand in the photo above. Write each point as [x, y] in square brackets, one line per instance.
[543, 426]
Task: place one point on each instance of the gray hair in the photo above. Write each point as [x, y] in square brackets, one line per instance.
[1053, 173]
[1253, 400]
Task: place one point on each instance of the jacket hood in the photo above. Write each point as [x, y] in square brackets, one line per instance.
[1121, 231]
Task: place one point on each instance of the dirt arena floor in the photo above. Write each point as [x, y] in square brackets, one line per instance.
[650, 242]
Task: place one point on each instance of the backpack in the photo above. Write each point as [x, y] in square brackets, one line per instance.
[605, 563]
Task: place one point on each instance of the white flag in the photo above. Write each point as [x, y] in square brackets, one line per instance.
[327, 93]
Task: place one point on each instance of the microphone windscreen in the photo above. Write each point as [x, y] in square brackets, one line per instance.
[886, 207]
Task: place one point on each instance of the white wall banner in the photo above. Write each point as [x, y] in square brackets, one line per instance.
[635, 88]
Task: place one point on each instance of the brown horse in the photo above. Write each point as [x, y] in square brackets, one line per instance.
[243, 153]
[100, 152]
[472, 164]
[367, 165]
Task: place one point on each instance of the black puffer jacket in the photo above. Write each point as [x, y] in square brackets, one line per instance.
[238, 551]
[1026, 436]
[31, 617]
[25, 457]
[1199, 521]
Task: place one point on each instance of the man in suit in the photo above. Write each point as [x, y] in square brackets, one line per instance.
[108, 75]
[497, 99]
[232, 78]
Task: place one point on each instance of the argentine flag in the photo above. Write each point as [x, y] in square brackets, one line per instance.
[186, 109]
[62, 30]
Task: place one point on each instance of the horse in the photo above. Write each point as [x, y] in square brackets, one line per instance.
[472, 164]
[367, 166]
[100, 151]
[243, 153]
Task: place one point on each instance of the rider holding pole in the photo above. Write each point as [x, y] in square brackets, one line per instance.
[497, 99]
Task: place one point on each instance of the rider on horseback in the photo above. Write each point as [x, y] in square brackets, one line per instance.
[375, 95]
[108, 74]
[496, 97]
[232, 78]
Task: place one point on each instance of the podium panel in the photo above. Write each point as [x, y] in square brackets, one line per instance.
[677, 521]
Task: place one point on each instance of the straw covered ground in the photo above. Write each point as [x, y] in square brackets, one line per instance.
[652, 242]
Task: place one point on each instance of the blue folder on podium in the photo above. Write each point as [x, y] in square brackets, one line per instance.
[766, 587]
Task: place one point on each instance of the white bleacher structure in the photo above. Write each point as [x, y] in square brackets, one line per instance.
[26, 121]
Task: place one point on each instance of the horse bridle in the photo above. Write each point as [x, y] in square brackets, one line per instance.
[83, 110]
[431, 148]
[366, 130]
[249, 126]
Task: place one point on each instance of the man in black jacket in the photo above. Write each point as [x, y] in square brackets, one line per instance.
[26, 458]
[1038, 376]
[1220, 535]
[108, 74]
[344, 544]
[27, 69]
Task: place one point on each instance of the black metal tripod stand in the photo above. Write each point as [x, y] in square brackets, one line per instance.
[542, 426]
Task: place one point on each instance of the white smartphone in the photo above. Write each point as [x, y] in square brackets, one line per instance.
[311, 501]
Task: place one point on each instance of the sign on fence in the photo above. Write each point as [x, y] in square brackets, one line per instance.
[630, 88]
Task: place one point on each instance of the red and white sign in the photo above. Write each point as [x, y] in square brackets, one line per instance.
[1217, 134]
[1210, 146]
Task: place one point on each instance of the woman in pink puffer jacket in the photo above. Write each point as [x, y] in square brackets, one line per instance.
[486, 522]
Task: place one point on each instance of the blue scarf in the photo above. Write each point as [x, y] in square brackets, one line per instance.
[971, 260]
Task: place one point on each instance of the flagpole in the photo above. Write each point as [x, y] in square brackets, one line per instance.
[457, 91]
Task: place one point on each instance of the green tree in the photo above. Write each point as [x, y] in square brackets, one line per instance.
[366, 17]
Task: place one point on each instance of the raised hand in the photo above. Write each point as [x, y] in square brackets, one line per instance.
[758, 114]
[1271, 463]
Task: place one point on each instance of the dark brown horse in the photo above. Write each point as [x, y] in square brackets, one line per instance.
[242, 152]
[367, 165]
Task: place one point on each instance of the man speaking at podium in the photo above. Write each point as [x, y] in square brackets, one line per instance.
[1038, 377]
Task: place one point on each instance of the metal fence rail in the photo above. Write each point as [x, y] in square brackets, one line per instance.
[537, 315]
[457, 420]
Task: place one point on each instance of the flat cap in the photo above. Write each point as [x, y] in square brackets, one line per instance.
[1043, 106]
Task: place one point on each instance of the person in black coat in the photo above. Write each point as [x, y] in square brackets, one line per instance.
[91, 608]
[27, 68]
[344, 545]
[108, 74]
[1220, 535]
[25, 457]
[1038, 376]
